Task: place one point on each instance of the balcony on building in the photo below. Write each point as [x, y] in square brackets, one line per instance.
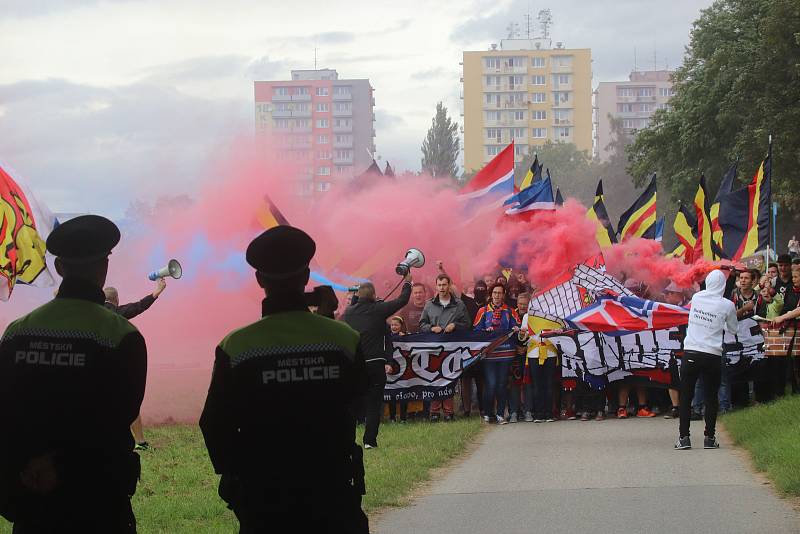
[302, 114]
[343, 113]
[342, 144]
[343, 129]
[342, 97]
[301, 98]
[281, 98]
[301, 129]
[562, 122]
[281, 114]
[343, 161]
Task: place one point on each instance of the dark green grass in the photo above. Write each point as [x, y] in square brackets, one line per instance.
[771, 434]
[178, 490]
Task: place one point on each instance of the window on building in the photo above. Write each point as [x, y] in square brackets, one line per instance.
[492, 115]
[322, 140]
[539, 115]
[644, 123]
[560, 97]
[344, 138]
[664, 106]
[341, 90]
[627, 123]
[493, 133]
[324, 187]
[324, 171]
[562, 132]
[492, 150]
[645, 108]
[342, 170]
[516, 81]
[322, 91]
[491, 62]
[324, 154]
[537, 62]
[644, 91]
[563, 79]
[518, 133]
[562, 61]
[280, 124]
[516, 61]
[302, 123]
[537, 79]
[539, 133]
[519, 115]
[624, 91]
[322, 107]
[341, 123]
[493, 80]
[302, 91]
[625, 108]
[562, 115]
[538, 97]
[323, 123]
[665, 91]
[281, 91]
[342, 106]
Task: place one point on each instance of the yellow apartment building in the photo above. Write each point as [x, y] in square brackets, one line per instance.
[528, 93]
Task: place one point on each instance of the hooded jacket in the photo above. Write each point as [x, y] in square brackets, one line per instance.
[710, 316]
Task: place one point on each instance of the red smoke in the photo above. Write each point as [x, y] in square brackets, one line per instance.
[362, 232]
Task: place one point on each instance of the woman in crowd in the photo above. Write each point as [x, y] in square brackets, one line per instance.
[499, 318]
[398, 327]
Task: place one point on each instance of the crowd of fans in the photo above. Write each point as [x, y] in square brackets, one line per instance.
[528, 386]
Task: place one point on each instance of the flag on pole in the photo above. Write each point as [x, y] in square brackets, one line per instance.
[534, 174]
[604, 234]
[493, 184]
[538, 196]
[22, 248]
[685, 227]
[660, 229]
[725, 187]
[269, 216]
[703, 247]
[559, 198]
[640, 219]
[744, 216]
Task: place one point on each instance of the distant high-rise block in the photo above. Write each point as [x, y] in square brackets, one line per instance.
[321, 122]
[529, 92]
[633, 102]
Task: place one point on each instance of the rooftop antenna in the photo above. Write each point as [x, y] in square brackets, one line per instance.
[528, 26]
[634, 59]
[315, 58]
[655, 57]
[545, 21]
[513, 30]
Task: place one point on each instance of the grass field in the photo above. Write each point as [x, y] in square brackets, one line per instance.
[771, 434]
[178, 490]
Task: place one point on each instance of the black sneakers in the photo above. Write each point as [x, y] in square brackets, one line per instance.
[683, 443]
[710, 442]
[143, 446]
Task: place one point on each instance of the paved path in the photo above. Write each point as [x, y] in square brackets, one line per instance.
[595, 477]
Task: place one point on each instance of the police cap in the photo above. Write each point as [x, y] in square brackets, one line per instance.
[83, 239]
[281, 252]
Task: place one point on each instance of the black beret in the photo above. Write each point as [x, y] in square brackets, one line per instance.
[784, 258]
[85, 238]
[281, 252]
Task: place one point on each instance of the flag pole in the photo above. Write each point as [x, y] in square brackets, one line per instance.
[774, 206]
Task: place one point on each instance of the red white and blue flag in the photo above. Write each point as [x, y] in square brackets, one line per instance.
[621, 314]
[493, 184]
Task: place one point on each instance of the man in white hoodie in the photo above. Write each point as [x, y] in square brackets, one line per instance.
[711, 315]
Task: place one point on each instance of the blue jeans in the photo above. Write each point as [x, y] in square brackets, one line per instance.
[495, 375]
[724, 395]
[541, 387]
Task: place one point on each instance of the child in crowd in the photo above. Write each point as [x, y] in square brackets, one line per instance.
[398, 327]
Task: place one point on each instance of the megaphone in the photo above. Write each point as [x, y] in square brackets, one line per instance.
[414, 258]
[173, 269]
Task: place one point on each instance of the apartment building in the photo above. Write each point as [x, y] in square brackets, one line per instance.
[527, 91]
[323, 123]
[633, 102]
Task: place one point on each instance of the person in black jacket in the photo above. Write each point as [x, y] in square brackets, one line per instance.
[368, 317]
[72, 379]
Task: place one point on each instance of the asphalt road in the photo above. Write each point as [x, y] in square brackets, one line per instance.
[614, 476]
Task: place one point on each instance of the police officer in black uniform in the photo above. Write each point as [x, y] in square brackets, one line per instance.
[72, 379]
[281, 470]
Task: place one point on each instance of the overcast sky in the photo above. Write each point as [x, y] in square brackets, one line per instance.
[105, 101]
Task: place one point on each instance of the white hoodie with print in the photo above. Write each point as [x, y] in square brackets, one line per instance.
[710, 316]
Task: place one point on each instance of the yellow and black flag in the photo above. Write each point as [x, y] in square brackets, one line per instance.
[534, 174]
[703, 248]
[685, 227]
[640, 219]
[744, 216]
[604, 234]
[269, 215]
[725, 187]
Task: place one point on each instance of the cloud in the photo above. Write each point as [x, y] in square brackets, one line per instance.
[36, 8]
[81, 147]
[386, 120]
[434, 74]
[198, 68]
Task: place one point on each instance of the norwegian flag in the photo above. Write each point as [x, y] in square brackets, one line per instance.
[621, 314]
[575, 290]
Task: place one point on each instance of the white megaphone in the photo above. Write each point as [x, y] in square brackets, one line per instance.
[414, 258]
[173, 269]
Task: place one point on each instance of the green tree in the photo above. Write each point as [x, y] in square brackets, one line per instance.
[441, 146]
[740, 80]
